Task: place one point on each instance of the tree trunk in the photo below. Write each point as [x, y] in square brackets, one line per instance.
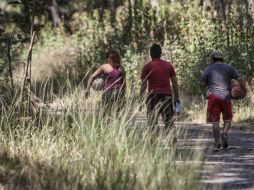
[10, 69]
[102, 9]
[201, 3]
[252, 7]
[55, 13]
[224, 16]
[112, 4]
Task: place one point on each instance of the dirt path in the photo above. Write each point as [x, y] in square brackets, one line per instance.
[231, 168]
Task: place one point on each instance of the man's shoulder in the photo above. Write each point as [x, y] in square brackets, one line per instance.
[221, 67]
[166, 62]
[153, 63]
[147, 64]
[228, 66]
[213, 66]
[224, 66]
[208, 69]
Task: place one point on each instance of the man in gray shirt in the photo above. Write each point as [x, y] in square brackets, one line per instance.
[217, 77]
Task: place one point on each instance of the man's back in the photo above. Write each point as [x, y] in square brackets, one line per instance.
[218, 79]
[158, 73]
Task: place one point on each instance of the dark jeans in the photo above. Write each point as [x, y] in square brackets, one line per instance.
[113, 100]
[160, 104]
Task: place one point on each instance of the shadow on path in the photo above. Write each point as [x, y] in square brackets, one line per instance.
[231, 168]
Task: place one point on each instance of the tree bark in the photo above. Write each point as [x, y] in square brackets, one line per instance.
[252, 8]
[10, 69]
[112, 4]
[55, 13]
[26, 78]
[9, 58]
[201, 3]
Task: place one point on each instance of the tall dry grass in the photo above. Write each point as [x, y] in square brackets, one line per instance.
[82, 148]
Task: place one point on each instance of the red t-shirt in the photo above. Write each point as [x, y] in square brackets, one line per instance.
[158, 73]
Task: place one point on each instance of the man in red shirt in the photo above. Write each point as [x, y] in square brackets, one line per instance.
[157, 75]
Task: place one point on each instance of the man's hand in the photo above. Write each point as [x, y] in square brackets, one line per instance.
[177, 100]
[242, 85]
[176, 89]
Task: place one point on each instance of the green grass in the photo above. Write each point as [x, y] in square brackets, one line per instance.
[82, 149]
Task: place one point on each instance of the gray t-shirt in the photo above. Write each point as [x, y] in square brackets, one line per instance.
[218, 79]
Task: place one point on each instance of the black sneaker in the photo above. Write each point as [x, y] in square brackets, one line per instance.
[224, 139]
[217, 147]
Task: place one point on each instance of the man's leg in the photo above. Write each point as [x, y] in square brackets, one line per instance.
[167, 114]
[152, 112]
[216, 134]
[227, 126]
[224, 136]
[152, 118]
[213, 117]
[227, 117]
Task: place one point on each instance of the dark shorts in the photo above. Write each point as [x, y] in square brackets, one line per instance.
[113, 98]
[216, 106]
[160, 104]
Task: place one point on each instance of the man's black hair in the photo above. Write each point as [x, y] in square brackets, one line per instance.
[218, 59]
[155, 51]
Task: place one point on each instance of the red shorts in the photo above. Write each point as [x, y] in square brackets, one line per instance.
[216, 106]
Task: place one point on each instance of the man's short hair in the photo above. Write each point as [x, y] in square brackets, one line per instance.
[217, 55]
[155, 51]
[218, 59]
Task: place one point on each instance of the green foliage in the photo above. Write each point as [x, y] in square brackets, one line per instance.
[188, 33]
[132, 62]
[14, 33]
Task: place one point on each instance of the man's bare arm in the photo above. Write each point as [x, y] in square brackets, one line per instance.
[175, 88]
[242, 84]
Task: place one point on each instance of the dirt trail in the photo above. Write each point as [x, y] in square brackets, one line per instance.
[231, 168]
